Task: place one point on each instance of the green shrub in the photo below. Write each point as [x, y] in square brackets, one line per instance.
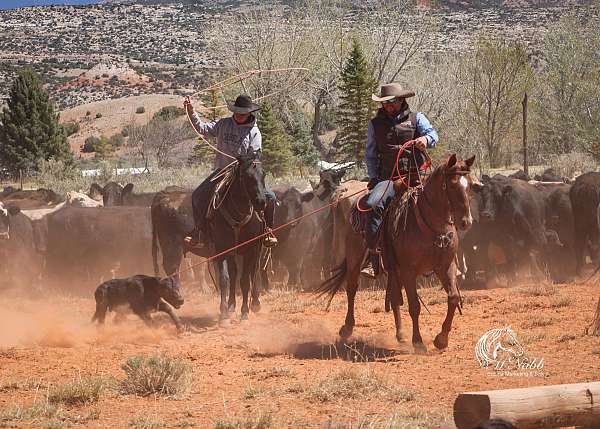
[70, 128]
[140, 110]
[168, 113]
[90, 144]
[98, 115]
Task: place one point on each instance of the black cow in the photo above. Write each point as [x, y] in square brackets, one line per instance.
[114, 194]
[172, 221]
[585, 196]
[143, 295]
[88, 245]
[304, 246]
[30, 199]
[549, 175]
[295, 240]
[513, 213]
[20, 260]
[521, 175]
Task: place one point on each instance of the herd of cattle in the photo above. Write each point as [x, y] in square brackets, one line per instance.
[77, 241]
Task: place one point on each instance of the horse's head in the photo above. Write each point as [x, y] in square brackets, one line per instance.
[508, 343]
[458, 182]
[252, 178]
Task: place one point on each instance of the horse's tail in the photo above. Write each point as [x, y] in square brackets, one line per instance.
[333, 284]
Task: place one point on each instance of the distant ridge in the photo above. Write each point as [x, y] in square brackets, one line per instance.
[14, 4]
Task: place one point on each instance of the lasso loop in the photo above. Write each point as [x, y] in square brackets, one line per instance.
[233, 80]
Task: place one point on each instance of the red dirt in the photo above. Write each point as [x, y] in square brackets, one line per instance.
[261, 367]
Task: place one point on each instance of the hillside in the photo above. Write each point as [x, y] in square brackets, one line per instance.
[114, 115]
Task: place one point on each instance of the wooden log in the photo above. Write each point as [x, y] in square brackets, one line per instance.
[594, 328]
[534, 407]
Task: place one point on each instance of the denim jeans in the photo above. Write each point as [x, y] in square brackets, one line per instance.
[378, 199]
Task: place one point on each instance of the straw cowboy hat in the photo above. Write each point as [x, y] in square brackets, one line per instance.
[243, 104]
[390, 91]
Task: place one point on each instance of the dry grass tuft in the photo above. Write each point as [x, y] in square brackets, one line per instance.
[565, 337]
[79, 391]
[540, 289]
[415, 420]
[532, 338]
[143, 421]
[537, 322]
[156, 374]
[263, 421]
[561, 302]
[353, 384]
[38, 410]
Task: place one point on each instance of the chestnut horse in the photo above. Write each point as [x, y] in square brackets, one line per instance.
[416, 242]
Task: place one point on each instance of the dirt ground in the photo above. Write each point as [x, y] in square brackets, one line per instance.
[285, 367]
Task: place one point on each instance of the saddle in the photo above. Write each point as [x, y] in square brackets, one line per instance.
[401, 202]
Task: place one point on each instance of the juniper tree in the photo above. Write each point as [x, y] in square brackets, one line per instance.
[277, 154]
[29, 127]
[356, 107]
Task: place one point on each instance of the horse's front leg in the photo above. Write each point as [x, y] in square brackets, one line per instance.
[248, 270]
[257, 277]
[448, 279]
[394, 288]
[223, 273]
[352, 274]
[409, 280]
[233, 279]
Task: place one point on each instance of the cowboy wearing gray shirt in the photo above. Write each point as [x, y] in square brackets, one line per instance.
[235, 135]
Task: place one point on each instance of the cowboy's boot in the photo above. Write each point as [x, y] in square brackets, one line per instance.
[371, 268]
[196, 239]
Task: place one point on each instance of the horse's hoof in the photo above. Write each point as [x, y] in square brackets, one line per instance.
[440, 342]
[231, 308]
[244, 317]
[399, 337]
[346, 331]
[420, 348]
[255, 308]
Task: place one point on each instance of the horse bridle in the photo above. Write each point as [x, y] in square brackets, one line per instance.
[442, 240]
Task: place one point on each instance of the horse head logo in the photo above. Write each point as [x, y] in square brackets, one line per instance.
[496, 344]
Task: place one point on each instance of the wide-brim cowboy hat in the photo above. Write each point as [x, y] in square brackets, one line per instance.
[243, 104]
[389, 91]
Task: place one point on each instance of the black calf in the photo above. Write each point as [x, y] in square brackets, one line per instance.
[143, 294]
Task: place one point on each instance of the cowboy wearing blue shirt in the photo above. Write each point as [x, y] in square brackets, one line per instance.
[393, 126]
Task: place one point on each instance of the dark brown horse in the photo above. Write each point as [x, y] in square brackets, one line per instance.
[425, 240]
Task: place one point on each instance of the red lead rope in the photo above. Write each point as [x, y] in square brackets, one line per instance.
[285, 225]
[396, 174]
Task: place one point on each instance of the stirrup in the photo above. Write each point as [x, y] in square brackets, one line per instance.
[372, 266]
[270, 240]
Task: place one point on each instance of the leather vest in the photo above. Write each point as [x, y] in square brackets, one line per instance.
[390, 134]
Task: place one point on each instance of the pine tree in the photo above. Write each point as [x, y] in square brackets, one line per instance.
[29, 128]
[277, 154]
[356, 107]
[303, 146]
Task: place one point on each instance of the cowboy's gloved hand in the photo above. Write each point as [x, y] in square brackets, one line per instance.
[372, 183]
[187, 105]
[421, 143]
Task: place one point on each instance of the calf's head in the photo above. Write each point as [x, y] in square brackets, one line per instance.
[170, 291]
[289, 206]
